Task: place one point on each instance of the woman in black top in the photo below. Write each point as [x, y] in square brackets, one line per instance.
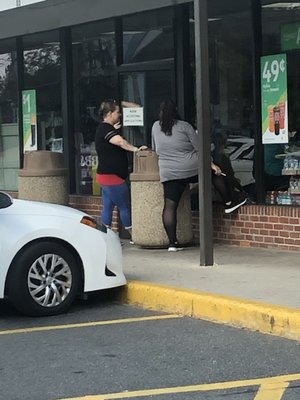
[112, 169]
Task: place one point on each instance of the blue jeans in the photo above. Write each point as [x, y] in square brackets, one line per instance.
[116, 195]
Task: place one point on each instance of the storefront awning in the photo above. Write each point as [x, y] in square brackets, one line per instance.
[54, 14]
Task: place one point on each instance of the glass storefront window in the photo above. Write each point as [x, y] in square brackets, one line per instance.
[148, 36]
[42, 73]
[9, 129]
[147, 88]
[231, 86]
[95, 79]
[281, 28]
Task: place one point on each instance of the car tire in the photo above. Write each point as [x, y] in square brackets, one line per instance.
[43, 279]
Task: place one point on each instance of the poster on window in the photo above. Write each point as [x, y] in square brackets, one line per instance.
[133, 116]
[274, 99]
[29, 120]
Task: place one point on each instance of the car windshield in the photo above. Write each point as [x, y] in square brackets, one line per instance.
[5, 200]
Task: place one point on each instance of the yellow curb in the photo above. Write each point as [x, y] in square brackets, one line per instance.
[262, 317]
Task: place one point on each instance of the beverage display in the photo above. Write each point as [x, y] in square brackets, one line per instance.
[282, 115]
[276, 111]
[271, 118]
[290, 165]
[33, 130]
[276, 116]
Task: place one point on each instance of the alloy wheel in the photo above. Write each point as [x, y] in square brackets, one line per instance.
[49, 280]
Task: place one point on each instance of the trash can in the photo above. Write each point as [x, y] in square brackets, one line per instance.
[147, 205]
[44, 178]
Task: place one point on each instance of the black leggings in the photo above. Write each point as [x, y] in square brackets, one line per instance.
[173, 191]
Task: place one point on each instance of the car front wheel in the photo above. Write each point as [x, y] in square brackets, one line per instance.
[44, 279]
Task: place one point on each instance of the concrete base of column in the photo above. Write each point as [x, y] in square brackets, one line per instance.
[147, 206]
[51, 189]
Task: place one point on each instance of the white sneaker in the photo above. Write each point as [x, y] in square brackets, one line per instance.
[175, 247]
[234, 205]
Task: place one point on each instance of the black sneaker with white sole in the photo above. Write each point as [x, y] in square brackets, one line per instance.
[235, 204]
[175, 247]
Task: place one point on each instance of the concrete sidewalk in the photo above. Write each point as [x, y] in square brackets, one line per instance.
[247, 287]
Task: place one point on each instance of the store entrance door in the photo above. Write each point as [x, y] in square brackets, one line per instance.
[149, 89]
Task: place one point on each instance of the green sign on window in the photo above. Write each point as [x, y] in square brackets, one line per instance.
[274, 99]
[29, 120]
[290, 36]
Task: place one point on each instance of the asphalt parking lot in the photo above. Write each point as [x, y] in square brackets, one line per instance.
[104, 350]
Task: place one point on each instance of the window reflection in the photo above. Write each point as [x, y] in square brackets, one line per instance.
[8, 88]
[42, 72]
[95, 79]
[148, 36]
[231, 85]
[7, 4]
[147, 89]
[9, 129]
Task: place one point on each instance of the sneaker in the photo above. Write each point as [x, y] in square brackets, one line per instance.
[175, 247]
[131, 242]
[235, 204]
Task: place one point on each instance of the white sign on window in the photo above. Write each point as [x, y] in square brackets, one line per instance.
[133, 116]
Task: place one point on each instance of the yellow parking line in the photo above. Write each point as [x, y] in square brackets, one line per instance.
[88, 324]
[277, 383]
[271, 391]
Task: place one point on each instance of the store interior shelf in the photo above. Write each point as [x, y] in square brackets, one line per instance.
[291, 172]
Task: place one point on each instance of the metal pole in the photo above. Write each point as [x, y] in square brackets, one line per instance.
[203, 126]
[256, 53]
[20, 85]
[67, 99]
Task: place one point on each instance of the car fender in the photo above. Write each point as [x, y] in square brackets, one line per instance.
[77, 235]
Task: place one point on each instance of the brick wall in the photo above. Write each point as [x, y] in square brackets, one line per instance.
[256, 226]
[89, 204]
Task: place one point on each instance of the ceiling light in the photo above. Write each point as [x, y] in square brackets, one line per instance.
[191, 20]
[280, 6]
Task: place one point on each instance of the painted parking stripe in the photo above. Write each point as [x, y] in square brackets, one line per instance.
[88, 324]
[270, 389]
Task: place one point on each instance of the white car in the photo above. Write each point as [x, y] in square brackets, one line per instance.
[51, 253]
[241, 153]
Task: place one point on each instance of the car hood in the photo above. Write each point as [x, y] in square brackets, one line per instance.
[26, 207]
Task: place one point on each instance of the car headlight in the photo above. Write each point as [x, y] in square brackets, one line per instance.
[91, 222]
